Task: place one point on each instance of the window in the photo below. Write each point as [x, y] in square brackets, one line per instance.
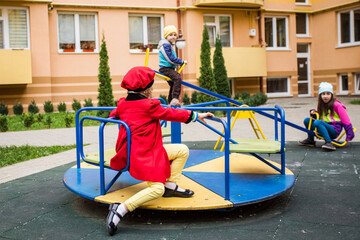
[277, 86]
[357, 82]
[145, 30]
[301, 2]
[77, 32]
[219, 25]
[349, 28]
[14, 28]
[301, 24]
[276, 32]
[344, 83]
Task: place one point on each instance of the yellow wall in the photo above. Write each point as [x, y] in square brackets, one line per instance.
[15, 66]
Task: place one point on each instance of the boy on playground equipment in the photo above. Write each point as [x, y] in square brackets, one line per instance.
[149, 158]
[168, 62]
[333, 117]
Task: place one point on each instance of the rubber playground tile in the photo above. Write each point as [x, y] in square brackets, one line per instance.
[315, 231]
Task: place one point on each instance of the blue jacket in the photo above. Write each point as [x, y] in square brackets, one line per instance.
[167, 55]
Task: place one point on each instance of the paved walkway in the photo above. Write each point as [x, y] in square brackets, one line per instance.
[324, 203]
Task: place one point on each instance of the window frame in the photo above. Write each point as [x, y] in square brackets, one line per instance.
[145, 30]
[217, 25]
[280, 94]
[306, 26]
[77, 32]
[352, 29]
[357, 82]
[274, 33]
[6, 33]
[341, 91]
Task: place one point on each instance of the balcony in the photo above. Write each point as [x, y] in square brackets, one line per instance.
[15, 67]
[241, 62]
[230, 3]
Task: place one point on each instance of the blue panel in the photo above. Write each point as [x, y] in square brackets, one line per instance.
[199, 156]
[86, 181]
[244, 188]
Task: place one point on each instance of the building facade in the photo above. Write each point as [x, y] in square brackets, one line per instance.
[284, 48]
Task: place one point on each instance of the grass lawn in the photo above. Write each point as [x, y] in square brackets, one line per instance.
[14, 154]
[357, 102]
[16, 123]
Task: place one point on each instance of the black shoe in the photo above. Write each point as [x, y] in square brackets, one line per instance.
[175, 193]
[329, 146]
[307, 142]
[110, 217]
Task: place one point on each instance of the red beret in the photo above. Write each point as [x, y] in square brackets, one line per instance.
[138, 79]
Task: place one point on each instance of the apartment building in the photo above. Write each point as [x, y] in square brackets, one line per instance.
[49, 49]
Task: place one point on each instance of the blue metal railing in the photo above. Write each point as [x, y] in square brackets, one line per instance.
[79, 144]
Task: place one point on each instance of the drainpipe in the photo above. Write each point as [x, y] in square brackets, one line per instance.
[179, 25]
[260, 44]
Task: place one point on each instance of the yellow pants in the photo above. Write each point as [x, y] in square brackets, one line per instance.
[178, 154]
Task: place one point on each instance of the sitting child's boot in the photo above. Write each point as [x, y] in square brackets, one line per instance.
[307, 142]
[329, 146]
[175, 102]
[110, 223]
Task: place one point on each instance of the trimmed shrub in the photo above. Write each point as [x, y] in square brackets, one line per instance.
[88, 103]
[259, 99]
[186, 99]
[48, 107]
[220, 73]
[39, 118]
[4, 110]
[245, 95]
[206, 79]
[76, 105]
[194, 97]
[68, 120]
[3, 124]
[165, 98]
[115, 102]
[62, 107]
[105, 96]
[18, 109]
[28, 120]
[32, 108]
[48, 121]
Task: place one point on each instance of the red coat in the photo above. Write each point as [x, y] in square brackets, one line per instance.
[148, 158]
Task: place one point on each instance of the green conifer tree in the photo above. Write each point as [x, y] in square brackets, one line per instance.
[220, 73]
[206, 79]
[105, 96]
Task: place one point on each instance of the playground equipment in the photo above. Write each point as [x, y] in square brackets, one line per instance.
[219, 179]
[337, 141]
[243, 115]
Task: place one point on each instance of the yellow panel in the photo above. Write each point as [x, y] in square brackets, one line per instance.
[202, 199]
[241, 62]
[15, 66]
[239, 163]
[230, 3]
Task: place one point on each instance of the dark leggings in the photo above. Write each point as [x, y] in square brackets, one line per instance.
[175, 83]
[324, 129]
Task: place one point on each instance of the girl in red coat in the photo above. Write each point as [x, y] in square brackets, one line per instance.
[149, 158]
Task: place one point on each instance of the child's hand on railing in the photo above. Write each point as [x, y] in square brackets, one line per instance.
[185, 62]
[201, 116]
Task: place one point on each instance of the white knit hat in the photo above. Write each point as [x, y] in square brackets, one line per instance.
[169, 29]
[325, 87]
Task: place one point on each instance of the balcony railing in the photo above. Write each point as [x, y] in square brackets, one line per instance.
[230, 3]
[241, 61]
[15, 67]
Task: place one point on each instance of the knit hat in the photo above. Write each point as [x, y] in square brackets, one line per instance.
[138, 79]
[325, 87]
[169, 29]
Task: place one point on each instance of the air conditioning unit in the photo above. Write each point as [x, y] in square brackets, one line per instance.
[252, 32]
